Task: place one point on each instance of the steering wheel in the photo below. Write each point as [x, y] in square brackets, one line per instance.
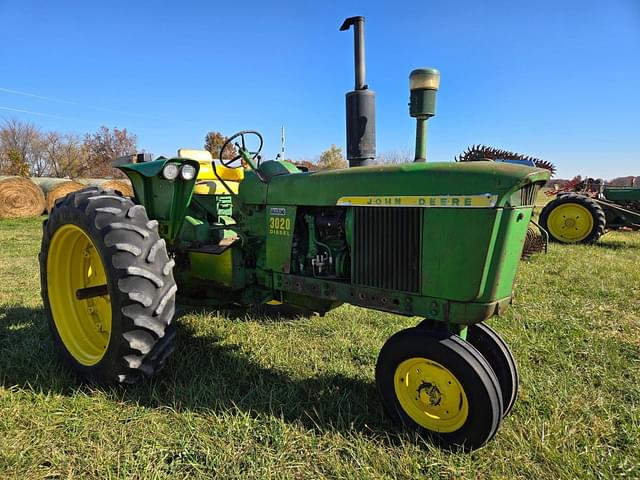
[253, 155]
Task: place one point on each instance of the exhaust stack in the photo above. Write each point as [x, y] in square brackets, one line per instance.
[360, 103]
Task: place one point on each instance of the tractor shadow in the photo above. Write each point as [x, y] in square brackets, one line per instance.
[202, 375]
[616, 245]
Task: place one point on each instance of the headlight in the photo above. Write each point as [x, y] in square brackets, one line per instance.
[170, 171]
[187, 172]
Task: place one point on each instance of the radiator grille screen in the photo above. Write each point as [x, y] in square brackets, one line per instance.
[386, 248]
[528, 194]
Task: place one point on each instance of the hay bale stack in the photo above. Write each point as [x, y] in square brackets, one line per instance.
[55, 188]
[20, 197]
[121, 185]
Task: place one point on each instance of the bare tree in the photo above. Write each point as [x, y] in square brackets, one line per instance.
[104, 146]
[65, 155]
[622, 181]
[395, 157]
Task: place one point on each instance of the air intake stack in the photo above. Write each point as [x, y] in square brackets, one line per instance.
[361, 104]
[423, 85]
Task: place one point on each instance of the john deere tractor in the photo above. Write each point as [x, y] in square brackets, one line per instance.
[436, 241]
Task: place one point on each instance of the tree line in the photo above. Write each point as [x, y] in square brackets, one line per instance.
[26, 150]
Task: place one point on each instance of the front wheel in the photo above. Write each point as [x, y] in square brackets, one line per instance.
[440, 386]
[496, 351]
[107, 287]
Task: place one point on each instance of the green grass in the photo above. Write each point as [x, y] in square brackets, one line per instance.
[254, 398]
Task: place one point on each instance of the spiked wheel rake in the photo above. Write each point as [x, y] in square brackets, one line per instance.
[477, 153]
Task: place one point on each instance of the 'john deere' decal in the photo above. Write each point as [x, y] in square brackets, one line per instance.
[464, 201]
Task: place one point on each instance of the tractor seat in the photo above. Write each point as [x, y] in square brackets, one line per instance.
[215, 187]
[203, 157]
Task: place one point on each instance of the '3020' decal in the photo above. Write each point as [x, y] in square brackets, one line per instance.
[279, 226]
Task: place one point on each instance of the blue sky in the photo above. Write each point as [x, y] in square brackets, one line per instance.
[559, 80]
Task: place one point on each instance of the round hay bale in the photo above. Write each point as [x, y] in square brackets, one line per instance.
[20, 197]
[122, 185]
[55, 188]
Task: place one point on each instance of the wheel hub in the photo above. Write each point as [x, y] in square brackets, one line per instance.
[84, 324]
[570, 222]
[431, 395]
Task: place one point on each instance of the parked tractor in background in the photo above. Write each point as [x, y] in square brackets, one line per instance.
[438, 241]
[585, 209]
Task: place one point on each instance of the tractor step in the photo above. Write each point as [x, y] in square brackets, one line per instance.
[214, 249]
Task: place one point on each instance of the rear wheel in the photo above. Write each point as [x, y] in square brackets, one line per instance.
[440, 386]
[495, 350]
[107, 287]
[573, 218]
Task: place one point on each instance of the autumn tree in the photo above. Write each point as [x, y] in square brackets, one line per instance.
[21, 143]
[332, 159]
[305, 165]
[104, 146]
[16, 164]
[214, 141]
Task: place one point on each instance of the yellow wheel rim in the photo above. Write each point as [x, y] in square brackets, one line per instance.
[431, 395]
[73, 264]
[570, 222]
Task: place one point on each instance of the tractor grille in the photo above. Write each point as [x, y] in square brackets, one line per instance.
[386, 248]
[528, 194]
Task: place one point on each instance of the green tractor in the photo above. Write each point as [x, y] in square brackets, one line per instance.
[436, 241]
[584, 210]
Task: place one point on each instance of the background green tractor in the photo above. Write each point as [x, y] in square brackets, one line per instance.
[437, 241]
[585, 209]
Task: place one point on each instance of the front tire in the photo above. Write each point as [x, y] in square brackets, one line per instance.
[496, 351]
[107, 287]
[439, 386]
[573, 218]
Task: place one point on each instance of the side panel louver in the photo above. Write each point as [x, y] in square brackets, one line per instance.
[528, 194]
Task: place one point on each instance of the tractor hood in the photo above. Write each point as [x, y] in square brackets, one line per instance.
[474, 184]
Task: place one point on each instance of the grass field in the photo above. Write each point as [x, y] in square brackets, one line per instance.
[258, 398]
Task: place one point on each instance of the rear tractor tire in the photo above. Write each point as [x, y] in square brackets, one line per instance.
[441, 387]
[573, 218]
[107, 287]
